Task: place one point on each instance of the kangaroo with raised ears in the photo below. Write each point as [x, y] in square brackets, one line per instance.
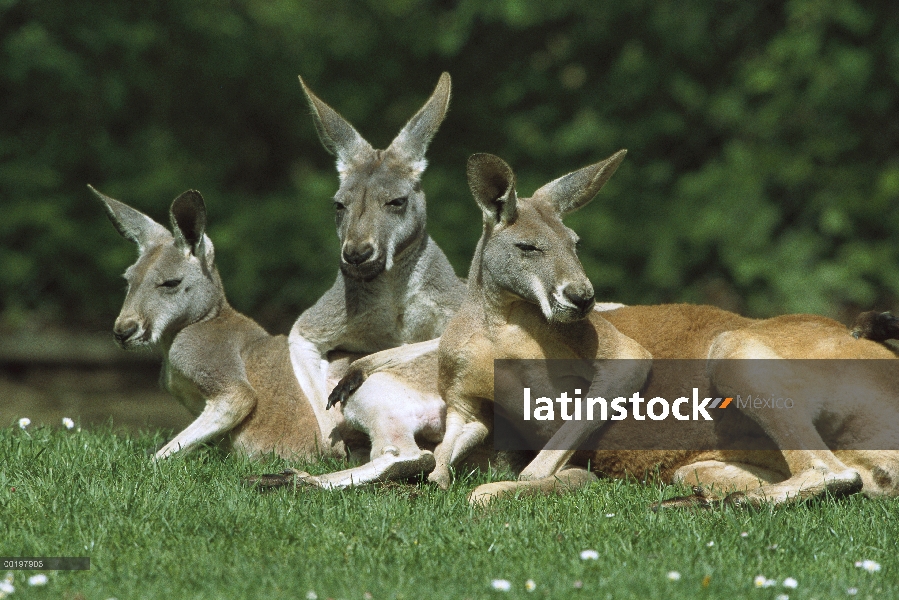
[228, 371]
[529, 298]
[393, 397]
[395, 286]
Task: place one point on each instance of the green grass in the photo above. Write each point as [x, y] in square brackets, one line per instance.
[187, 528]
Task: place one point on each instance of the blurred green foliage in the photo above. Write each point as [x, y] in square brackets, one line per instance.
[762, 172]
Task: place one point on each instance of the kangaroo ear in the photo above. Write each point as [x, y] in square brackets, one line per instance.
[413, 140]
[492, 184]
[336, 134]
[570, 192]
[188, 215]
[131, 223]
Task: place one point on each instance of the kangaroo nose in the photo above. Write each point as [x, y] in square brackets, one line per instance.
[123, 331]
[581, 296]
[356, 255]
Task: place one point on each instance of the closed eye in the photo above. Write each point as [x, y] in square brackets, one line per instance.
[398, 201]
[170, 283]
[527, 248]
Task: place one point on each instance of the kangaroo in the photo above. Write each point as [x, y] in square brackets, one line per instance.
[392, 396]
[227, 370]
[395, 286]
[529, 298]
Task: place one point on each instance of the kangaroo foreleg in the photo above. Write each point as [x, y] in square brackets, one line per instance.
[461, 436]
[613, 378]
[221, 414]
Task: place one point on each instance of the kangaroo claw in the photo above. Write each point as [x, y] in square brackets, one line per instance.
[345, 387]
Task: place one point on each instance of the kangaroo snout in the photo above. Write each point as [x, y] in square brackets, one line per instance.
[124, 330]
[572, 301]
[581, 296]
[356, 254]
[361, 261]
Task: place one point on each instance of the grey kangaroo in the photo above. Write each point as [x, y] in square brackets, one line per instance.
[227, 370]
[395, 286]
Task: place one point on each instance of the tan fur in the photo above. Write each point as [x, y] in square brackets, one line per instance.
[400, 410]
[508, 315]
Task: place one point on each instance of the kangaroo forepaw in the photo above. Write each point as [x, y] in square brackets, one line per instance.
[346, 387]
[273, 481]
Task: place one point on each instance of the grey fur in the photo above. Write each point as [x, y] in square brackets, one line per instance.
[395, 285]
[234, 377]
[570, 192]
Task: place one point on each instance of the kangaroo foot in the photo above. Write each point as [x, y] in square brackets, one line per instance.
[273, 481]
[700, 498]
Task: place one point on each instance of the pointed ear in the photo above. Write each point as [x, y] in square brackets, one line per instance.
[570, 192]
[413, 140]
[131, 223]
[492, 184]
[336, 134]
[188, 215]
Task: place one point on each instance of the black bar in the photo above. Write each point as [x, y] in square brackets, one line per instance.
[43, 563]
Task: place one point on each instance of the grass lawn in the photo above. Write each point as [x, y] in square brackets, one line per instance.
[187, 528]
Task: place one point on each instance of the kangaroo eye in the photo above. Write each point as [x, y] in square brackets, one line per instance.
[170, 283]
[339, 206]
[398, 201]
[527, 248]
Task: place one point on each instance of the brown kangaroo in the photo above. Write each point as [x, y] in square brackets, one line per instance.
[529, 298]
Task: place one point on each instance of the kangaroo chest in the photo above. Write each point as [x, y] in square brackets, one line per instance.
[184, 389]
[390, 319]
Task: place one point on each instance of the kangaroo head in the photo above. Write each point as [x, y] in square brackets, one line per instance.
[380, 206]
[174, 282]
[526, 252]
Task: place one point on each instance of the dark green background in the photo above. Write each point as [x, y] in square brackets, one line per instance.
[762, 174]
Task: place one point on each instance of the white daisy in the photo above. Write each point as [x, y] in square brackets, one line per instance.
[673, 576]
[502, 585]
[39, 579]
[68, 423]
[24, 422]
[868, 565]
[529, 585]
[589, 555]
[791, 583]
